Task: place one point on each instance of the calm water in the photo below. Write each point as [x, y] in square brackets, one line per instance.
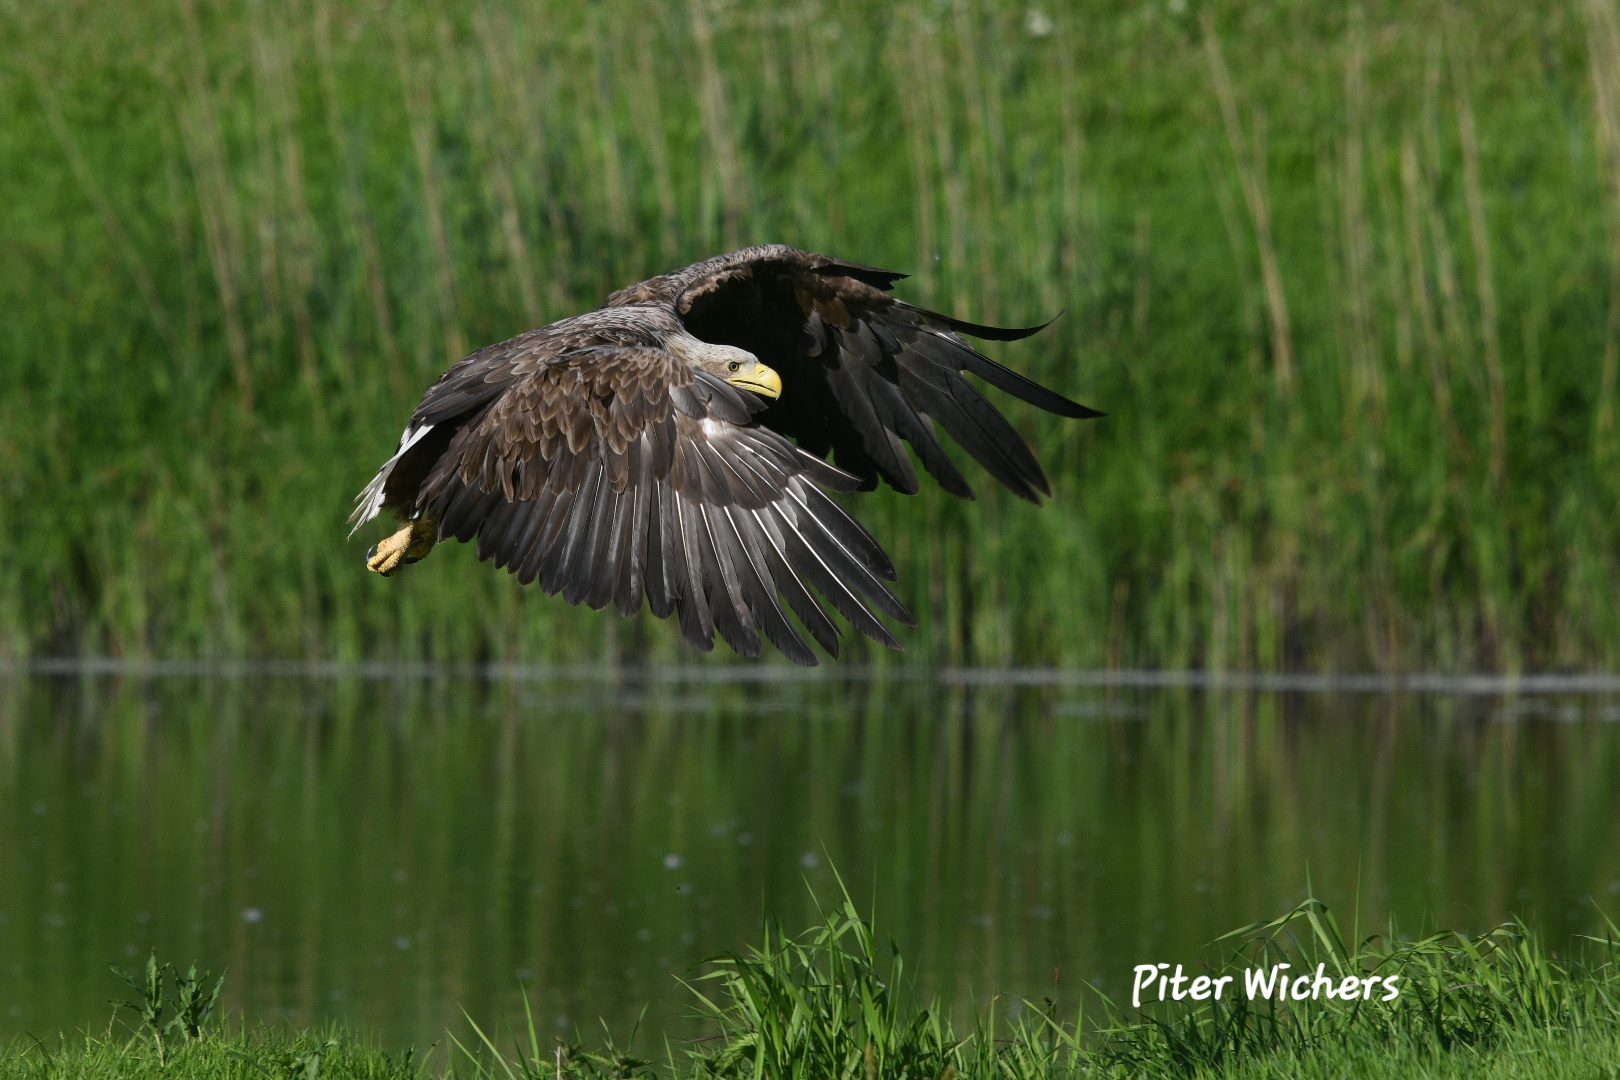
[390, 852]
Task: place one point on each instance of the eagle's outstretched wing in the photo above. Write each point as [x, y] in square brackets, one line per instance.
[862, 371]
[613, 473]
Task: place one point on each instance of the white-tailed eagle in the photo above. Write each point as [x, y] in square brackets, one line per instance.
[646, 449]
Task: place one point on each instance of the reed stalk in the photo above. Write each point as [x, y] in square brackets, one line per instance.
[1310, 326]
[1248, 148]
[216, 198]
[1485, 288]
[714, 101]
[356, 220]
[289, 211]
[497, 147]
[420, 115]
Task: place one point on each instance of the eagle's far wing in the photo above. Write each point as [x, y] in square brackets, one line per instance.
[613, 473]
[864, 372]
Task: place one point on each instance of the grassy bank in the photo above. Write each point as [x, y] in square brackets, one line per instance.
[1346, 282]
[336, 1055]
[835, 1002]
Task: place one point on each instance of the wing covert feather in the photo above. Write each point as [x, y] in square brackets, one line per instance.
[613, 474]
[863, 372]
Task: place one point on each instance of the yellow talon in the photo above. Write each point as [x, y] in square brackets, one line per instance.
[410, 544]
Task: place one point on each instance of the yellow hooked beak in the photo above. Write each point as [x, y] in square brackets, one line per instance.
[760, 379]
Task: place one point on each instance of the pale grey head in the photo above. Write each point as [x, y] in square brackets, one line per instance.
[737, 366]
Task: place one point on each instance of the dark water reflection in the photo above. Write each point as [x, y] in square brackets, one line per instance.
[389, 853]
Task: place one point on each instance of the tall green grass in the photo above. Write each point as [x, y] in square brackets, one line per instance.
[836, 1002]
[1346, 279]
[239, 1053]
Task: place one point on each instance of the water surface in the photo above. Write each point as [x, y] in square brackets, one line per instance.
[390, 851]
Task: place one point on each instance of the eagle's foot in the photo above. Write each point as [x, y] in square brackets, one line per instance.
[410, 544]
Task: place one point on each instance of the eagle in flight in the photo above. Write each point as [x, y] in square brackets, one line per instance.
[646, 448]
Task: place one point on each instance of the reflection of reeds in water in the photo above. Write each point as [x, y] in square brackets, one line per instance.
[443, 835]
[1349, 313]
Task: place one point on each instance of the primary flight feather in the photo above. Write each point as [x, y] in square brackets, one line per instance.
[672, 446]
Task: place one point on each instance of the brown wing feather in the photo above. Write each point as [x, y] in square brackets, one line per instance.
[613, 473]
[863, 372]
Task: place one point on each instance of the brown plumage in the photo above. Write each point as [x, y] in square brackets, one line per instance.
[635, 451]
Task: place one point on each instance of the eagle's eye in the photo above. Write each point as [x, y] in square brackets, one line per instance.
[734, 365]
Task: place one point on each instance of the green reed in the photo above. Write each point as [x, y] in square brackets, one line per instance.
[835, 1002]
[1346, 283]
[234, 1053]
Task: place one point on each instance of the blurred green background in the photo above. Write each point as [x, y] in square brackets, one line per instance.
[1344, 276]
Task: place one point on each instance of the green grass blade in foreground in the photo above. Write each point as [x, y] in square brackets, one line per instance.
[826, 1004]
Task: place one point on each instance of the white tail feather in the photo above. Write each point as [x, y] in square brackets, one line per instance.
[371, 499]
